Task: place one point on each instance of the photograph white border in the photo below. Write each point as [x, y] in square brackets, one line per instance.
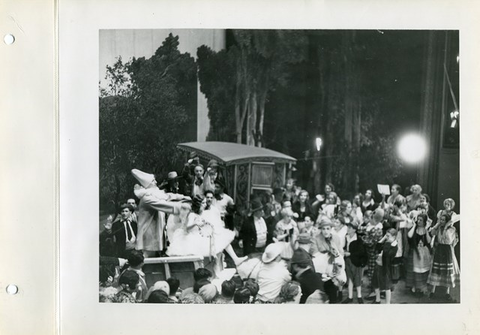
[79, 25]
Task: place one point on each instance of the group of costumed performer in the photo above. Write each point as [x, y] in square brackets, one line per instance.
[191, 231]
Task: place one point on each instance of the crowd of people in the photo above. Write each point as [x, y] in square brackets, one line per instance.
[291, 248]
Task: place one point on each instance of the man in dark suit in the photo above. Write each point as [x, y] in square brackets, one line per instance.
[124, 232]
[254, 232]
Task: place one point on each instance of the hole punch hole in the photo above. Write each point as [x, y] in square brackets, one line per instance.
[9, 39]
[12, 289]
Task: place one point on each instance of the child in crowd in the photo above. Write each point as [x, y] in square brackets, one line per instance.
[356, 259]
[382, 276]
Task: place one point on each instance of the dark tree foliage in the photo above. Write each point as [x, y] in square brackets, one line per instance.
[237, 81]
[148, 108]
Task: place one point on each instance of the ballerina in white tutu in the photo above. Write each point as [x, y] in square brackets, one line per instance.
[194, 235]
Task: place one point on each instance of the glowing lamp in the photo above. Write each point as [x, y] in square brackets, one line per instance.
[412, 148]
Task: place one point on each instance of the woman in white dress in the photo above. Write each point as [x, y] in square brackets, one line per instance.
[194, 235]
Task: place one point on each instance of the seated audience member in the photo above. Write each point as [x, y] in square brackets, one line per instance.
[252, 285]
[208, 293]
[128, 284]
[135, 262]
[290, 293]
[253, 234]
[242, 296]
[272, 274]
[173, 284]
[228, 290]
[192, 298]
[158, 286]
[159, 297]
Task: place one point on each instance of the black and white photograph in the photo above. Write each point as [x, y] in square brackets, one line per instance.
[279, 166]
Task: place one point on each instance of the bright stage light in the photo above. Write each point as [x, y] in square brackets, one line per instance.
[412, 148]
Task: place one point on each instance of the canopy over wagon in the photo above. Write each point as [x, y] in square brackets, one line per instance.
[246, 169]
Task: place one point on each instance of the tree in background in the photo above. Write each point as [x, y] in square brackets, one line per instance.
[148, 107]
[237, 81]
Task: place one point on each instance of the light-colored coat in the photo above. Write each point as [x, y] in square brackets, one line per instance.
[154, 203]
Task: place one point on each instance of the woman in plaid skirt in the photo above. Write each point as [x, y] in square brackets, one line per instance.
[444, 271]
[372, 232]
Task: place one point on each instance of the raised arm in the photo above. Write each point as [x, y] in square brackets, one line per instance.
[165, 206]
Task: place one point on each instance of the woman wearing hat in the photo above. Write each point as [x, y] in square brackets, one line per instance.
[199, 237]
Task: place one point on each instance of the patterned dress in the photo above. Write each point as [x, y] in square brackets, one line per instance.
[445, 270]
[372, 235]
[419, 261]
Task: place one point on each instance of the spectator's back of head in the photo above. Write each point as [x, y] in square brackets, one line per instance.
[199, 284]
[174, 284]
[228, 288]
[135, 258]
[208, 293]
[158, 297]
[252, 285]
[242, 296]
[130, 279]
[202, 273]
[192, 298]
